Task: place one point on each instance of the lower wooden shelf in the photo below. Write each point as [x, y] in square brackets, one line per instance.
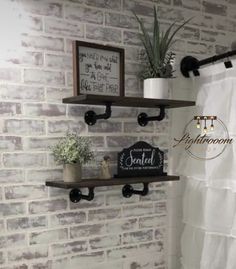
[88, 183]
[127, 190]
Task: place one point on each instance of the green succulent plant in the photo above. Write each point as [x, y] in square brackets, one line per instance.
[157, 48]
[72, 149]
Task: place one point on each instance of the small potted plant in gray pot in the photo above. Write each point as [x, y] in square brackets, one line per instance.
[72, 151]
[158, 68]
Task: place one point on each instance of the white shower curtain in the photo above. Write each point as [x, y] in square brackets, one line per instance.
[209, 202]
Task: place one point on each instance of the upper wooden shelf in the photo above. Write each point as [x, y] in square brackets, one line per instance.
[126, 101]
[91, 183]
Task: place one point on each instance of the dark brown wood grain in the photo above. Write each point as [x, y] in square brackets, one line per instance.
[88, 183]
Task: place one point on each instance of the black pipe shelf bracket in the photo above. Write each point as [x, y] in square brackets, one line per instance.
[91, 117]
[128, 190]
[76, 195]
[143, 118]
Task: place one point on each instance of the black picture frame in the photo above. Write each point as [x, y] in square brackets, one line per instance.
[83, 86]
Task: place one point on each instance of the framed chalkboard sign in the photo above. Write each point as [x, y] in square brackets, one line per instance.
[98, 69]
[140, 160]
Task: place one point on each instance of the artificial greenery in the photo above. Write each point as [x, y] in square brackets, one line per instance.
[72, 149]
[157, 48]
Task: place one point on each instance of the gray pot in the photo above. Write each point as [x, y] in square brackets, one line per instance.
[72, 172]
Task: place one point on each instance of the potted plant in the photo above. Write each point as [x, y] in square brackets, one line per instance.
[158, 68]
[72, 151]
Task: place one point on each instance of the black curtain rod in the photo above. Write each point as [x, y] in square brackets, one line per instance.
[190, 63]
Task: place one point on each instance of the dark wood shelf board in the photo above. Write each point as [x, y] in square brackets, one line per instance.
[126, 101]
[88, 183]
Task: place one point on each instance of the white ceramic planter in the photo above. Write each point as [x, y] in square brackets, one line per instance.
[72, 172]
[156, 88]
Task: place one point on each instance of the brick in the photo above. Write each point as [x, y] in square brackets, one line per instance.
[40, 143]
[131, 84]
[51, 264]
[117, 198]
[47, 206]
[103, 34]
[21, 92]
[64, 28]
[138, 7]
[23, 127]
[137, 236]
[24, 254]
[214, 8]
[42, 42]
[57, 94]
[87, 230]
[160, 208]
[121, 21]
[46, 237]
[121, 142]
[120, 226]
[148, 222]
[24, 159]
[10, 74]
[81, 14]
[12, 209]
[189, 33]
[59, 127]
[104, 126]
[87, 259]
[130, 127]
[155, 247]
[25, 191]
[68, 218]
[190, 4]
[2, 257]
[10, 108]
[69, 79]
[44, 110]
[40, 175]
[18, 266]
[110, 4]
[2, 227]
[11, 176]
[58, 61]
[160, 233]
[161, 140]
[105, 242]
[171, 14]
[211, 36]
[44, 77]
[26, 58]
[203, 21]
[69, 248]
[10, 143]
[13, 240]
[79, 111]
[137, 210]
[131, 38]
[121, 253]
[25, 223]
[133, 69]
[102, 214]
[34, 24]
[48, 8]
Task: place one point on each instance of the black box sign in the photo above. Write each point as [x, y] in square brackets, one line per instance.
[141, 159]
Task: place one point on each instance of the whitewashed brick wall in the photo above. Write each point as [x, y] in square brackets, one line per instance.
[39, 227]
